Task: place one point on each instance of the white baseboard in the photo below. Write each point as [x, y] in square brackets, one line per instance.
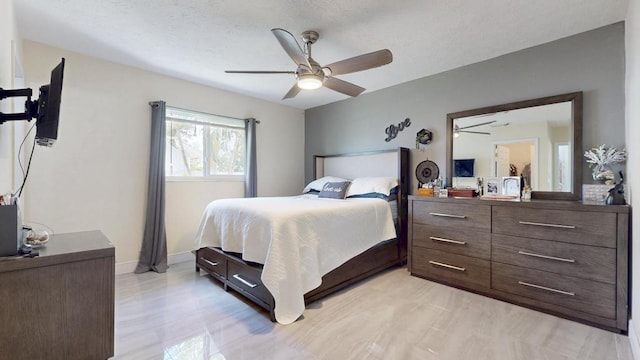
[182, 257]
[126, 267]
[130, 266]
[634, 341]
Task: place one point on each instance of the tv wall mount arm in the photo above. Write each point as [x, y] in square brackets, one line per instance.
[31, 107]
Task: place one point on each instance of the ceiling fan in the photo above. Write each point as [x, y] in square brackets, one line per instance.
[310, 75]
[457, 130]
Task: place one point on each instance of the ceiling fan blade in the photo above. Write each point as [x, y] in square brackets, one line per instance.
[362, 62]
[474, 132]
[342, 86]
[257, 72]
[484, 123]
[291, 46]
[292, 92]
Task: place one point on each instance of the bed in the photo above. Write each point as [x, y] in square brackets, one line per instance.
[284, 253]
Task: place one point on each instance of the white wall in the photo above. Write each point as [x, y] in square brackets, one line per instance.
[185, 204]
[95, 176]
[632, 42]
[8, 42]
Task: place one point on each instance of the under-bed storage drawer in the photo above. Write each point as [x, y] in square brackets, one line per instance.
[212, 261]
[583, 295]
[451, 268]
[246, 279]
[459, 216]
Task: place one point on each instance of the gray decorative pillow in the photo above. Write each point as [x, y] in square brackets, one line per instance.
[335, 190]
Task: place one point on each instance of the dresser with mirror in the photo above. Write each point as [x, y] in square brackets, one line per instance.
[538, 139]
[554, 253]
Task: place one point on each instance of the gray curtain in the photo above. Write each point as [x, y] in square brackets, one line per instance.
[153, 255]
[251, 171]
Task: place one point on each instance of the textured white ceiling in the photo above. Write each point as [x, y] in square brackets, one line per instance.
[197, 40]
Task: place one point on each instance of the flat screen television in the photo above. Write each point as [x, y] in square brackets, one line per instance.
[464, 167]
[49, 108]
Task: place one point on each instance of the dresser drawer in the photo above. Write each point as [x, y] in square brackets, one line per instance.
[247, 280]
[212, 261]
[451, 268]
[463, 242]
[459, 216]
[582, 261]
[579, 227]
[583, 295]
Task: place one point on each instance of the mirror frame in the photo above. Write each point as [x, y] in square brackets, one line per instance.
[576, 134]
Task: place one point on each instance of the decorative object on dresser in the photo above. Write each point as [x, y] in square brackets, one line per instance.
[492, 186]
[502, 188]
[566, 258]
[596, 193]
[600, 159]
[425, 191]
[462, 193]
[426, 172]
[59, 305]
[511, 185]
[616, 194]
[285, 292]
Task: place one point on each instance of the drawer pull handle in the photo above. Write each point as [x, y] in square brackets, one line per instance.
[546, 256]
[547, 225]
[244, 281]
[448, 215]
[447, 266]
[209, 262]
[448, 240]
[546, 288]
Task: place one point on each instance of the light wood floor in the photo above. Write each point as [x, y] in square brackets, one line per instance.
[186, 315]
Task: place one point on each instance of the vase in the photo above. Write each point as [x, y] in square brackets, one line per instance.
[602, 174]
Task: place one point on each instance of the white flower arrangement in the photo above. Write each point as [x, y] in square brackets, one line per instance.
[604, 155]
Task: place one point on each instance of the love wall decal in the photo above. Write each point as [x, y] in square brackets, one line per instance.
[393, 130]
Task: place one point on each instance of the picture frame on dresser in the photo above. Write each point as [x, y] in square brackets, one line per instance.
[492, 186]
[510, 185]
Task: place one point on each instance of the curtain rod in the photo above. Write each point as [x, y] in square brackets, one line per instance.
[206, 113]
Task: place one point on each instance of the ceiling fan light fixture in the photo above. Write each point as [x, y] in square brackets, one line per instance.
[309, 81]
[311, 75]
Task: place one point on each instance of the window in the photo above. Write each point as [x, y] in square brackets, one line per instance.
[200, 145]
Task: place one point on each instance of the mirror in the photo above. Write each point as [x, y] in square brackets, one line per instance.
[539, 140]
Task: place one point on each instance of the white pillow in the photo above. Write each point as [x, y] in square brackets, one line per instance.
[367, 185]
[318, 184]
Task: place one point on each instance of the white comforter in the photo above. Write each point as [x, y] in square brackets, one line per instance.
[298, 239]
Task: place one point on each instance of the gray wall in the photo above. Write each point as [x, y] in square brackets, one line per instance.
[592, 62]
